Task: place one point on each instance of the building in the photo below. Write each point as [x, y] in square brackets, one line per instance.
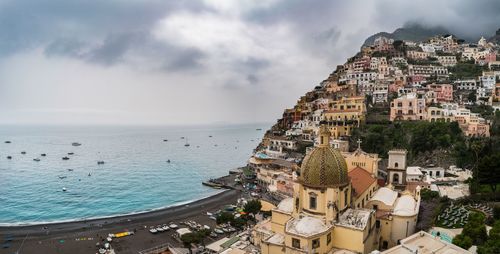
[468, 84]
[397, 215]
[443, 92]
[396, 167]
[408, 107]
[447, 61]
[359, 158]
[425, 243]
[278, 145]
[319, 217]
[364, 186]
[417, 55]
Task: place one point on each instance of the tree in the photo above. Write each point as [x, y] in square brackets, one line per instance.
[462, 241]
[188, 239]
[224, 217]
[492, 245]
[252, 206]
[488, 171]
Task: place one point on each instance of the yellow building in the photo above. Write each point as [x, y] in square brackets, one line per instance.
[396, 215]
[319, 217]
[362, 159]
[344, 115]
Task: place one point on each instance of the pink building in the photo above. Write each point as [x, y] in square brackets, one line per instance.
[443, 92]
[408, 107]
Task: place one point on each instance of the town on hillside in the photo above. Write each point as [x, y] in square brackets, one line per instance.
[397, 151]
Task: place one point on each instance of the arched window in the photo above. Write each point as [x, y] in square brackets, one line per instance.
[312, 201]
[396, 165]
[395, 178]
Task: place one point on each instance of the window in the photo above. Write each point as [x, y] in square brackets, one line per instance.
[377, 224]
[296, 243]
[328, 238]
[312, 202]
[346, 198]
[375, 207]
[315, 243]
[396, 165]
[395, 178]
[438, 173]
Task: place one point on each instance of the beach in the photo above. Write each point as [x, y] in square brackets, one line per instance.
[82, 236]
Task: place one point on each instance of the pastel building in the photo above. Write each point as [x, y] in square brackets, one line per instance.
[408, 107]
[443, 92]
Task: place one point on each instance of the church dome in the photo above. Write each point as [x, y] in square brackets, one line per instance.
[324, 166]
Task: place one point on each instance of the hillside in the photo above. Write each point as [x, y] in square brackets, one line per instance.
[411, 32]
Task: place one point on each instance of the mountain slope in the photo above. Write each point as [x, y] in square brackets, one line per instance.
[413, 32]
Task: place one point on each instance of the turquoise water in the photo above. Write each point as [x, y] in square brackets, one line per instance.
[134, 178]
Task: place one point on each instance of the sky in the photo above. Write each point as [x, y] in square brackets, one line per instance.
[192, 62]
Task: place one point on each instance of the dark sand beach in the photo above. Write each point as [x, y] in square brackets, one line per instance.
[82, 236]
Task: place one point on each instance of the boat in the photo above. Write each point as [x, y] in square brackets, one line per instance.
[36, 159]
[64, 189]
[213, 235]
[23, 152]
[100, 162]
[159, 228]
[90, 174]
[43, 154]
[210, 214]
[62, 177]
[70, 169]
[187, 144]
[165, 227]
[172, 226]
[258, 129]
[9, 157]
[168, 161]
[210, 136]
[218, 231]
[182, 137]
[7, 142]
[71, 153]
[165, 140]
[65, 158]
[76, 144]
[153, 230]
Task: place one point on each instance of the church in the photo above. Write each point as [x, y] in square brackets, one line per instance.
[330, 212]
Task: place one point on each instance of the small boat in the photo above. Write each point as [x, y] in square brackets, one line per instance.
[62, 177]
[7, 142]
[172, 226]
[23, 152]
[165, 227]
[206, 227]
[43, 154]
[258, 129]
[182, 137]
[100, 162]
[71, 153]
[165, 140]
[153, 230]
[218, 231]
[168, 161]
[65, 158]
[90, 174]
[187, 144]
[9, 157]
[210, 214]
[64, 189]
[213, 235]
[76, 144]
[36, 159]
[70, 169]
[210, 136]
[213, 184]
[159, 229]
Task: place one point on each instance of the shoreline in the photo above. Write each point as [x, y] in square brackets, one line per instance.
[46, 223]
[170, 213]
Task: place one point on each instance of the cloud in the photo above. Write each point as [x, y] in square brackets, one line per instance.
[158, 61]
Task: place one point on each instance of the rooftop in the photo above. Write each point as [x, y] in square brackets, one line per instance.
[354, 218]
[385, 195]
[361, 180]
[406, 206]
[285, 206]
[425, 243]
[306, 226]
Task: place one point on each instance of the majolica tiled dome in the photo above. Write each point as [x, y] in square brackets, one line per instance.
[324, 166]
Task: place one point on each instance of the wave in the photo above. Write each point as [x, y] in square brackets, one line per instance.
[178, 204]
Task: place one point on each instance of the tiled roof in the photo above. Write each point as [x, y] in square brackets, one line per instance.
[361, 180]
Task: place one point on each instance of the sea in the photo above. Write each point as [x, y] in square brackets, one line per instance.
[135, 177]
